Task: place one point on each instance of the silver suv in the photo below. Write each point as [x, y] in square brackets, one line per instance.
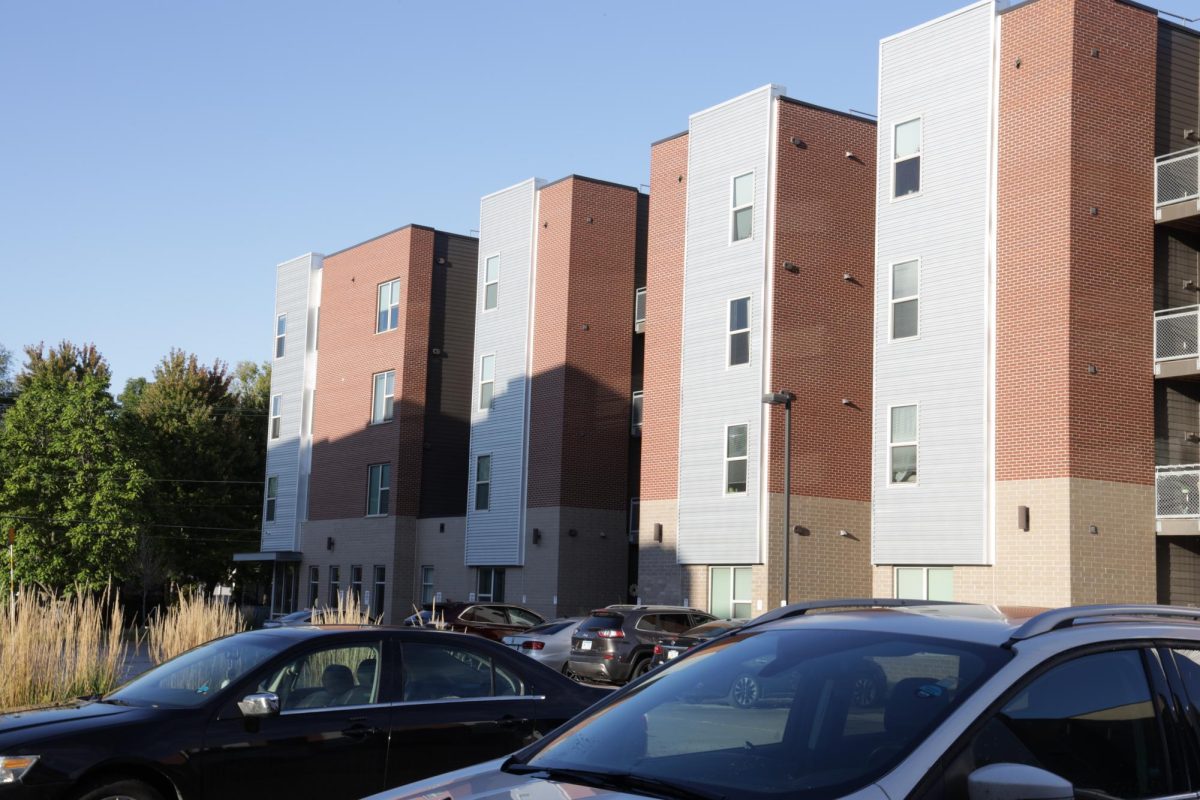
[980, 702]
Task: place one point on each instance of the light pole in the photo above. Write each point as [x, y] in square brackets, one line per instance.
[784, 398]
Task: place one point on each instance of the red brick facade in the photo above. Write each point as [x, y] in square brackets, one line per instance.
[1075, 287]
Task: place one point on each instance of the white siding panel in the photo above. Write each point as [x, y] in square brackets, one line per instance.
[297, 294]
[725, 141]
[506, 227]
[942, 72]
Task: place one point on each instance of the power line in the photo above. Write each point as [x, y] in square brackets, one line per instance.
[70, 473]
[123, 523]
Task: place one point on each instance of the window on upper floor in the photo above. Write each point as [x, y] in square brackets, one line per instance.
[739, 331]
[905, 312]
[382, 396]
[487, 381]
[280, 334]
[276, 415]
[639, 310]
[483, 483]
[736, 459]
[743, 207]
[379, 488]
[491, 283]
[636, 422]
[272, 497]
[388, 307]
[906, 158]
[902, 445]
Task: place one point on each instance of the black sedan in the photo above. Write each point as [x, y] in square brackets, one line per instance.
[297, 712]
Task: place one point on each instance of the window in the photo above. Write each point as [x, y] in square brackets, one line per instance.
[426, 584]
[483, 483]
[905, 299]
[902, 444]
[379, 486]
[743, 207]
[639, 310]
[454, 671]
[491, 283]
[636, 424]
[735, 459]
[389, 307]
[491, 585]
[730, 592]
[925, 583]
[276, 415]
[523, 618]
[487, 381]
[314, 586]
[355, 594]
[280, 334]
[377, 593]
[906, 158]
[335, 586]
[328, 678]
[635, 518]
[382, 399]
[272, 495]
[739, 331]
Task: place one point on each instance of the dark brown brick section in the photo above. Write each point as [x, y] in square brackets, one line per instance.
[821, 322]
[664, 320]
[583, 331]
[1075, 288]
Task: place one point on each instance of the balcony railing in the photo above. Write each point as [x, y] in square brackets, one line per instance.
[1177, 333]
[1177, 490]
[1177, 177]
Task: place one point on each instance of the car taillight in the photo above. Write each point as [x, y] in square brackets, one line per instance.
[658, 649]
[532, 645]
[611, 633]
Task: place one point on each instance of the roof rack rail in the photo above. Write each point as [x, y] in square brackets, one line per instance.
[1060, 618]
[800, 609]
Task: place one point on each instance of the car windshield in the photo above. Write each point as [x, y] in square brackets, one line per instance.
[195, 676]
[802, 713]
[713, 629]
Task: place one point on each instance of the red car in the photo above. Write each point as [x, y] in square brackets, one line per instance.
[490, 620]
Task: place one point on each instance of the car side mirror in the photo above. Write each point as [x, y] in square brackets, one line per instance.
[261, 704]
[1017, 782]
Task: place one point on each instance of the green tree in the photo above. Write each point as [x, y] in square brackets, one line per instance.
[68, 484]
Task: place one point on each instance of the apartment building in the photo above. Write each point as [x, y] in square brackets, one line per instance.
[1035, 317]
[759, 280]
[553, 440]
[369, 442]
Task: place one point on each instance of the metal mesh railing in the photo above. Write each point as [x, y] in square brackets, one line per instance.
[1177, 333]
[1177, 176]
[1177, 490]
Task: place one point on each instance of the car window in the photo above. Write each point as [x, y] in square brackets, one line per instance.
[550, 628]
[701, 619]
[195, 676]
[1089, 720]
[453, 672]
[327, 678]
[674, 623]
[648, 622]
[523, 618]
[488, 615]
[602, 622]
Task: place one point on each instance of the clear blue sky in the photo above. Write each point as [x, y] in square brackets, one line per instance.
[158, 159]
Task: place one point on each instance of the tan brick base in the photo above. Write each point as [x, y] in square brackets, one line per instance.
[366, 542]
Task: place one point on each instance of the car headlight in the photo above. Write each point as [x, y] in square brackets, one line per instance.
[13, 768]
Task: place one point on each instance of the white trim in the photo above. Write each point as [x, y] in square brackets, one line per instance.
[378, 291]
[924, 578]
[679, 438]
[892, 300]
[726, 459]
[875, 344]
[275, 354]
[734, 207]
[475, 482]
[531, 331]
[914, 443]
[774, 88]
[379, 488]
[482, 380]
[375, 398]
[634, 423]
[535, 181]
[639, 324]
[733, 601]
[483, 309]
[730, 332]
[768, 316]
[275, 416]
[932, 22]
[989, 309]
[920, 156]
[267, 498]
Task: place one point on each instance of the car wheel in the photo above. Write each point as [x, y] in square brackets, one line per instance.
[640, 669]
[869, 688]
[745, 691]
[122, 790]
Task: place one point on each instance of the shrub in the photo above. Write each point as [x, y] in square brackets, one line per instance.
[193, 620]
[347, 612]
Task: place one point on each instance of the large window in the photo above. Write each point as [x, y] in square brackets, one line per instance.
[739, 331]
[636, 422]
[490, 588]
[382, 399]
[379, 487]
[735, 459]
[483, 483]
[729, 592]
[280, 334]
[314, 586]
[272, 496]
[906, 299]
[426, 584]
[335, 585]
[378, 592]
[925, 583]
[487, 381]
[389, 307]
[906, 158]
[491, 283]
[276, 415]
[743, 207]
[902, 444]
[639, 310]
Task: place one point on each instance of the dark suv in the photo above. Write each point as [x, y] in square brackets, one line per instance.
[616, 643]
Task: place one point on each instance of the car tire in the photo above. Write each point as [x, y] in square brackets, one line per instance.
[121, 789]
[745, 691]
[640, 668]
[869, 688]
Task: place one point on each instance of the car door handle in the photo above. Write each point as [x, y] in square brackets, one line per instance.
[358, 730]
[509, 721]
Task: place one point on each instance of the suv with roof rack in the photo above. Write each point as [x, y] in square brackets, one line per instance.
[616, 643]
[980, 703]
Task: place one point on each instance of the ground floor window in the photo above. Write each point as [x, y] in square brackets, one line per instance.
[426, 585]
[730, 592]
[925, 583]
[335, 586]
[377, 593]
[356, 585]
[491, 585]
[314, 586]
